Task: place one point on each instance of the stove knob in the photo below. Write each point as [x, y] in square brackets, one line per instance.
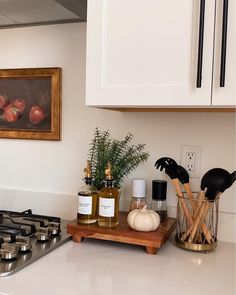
[8, 251]
[54, 228]
[23, 244]
[53, 231]
[42, 234]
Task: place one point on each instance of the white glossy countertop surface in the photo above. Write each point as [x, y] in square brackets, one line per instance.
[106, 268]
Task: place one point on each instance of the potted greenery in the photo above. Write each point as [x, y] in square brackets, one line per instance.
[124, 156]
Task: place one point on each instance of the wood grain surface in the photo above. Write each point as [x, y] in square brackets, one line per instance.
[124, 234]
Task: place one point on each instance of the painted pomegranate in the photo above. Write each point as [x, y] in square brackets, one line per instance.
[11, 113]
[4, 101]
[19, 104]
[36, 115]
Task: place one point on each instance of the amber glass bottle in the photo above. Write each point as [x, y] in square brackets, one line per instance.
[87, 200]
[108, 202]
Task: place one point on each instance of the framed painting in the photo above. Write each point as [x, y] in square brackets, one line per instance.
[30, 103]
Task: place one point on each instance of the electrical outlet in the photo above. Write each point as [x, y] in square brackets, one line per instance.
[190, 159]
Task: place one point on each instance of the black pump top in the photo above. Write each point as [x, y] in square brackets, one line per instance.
[159, 190]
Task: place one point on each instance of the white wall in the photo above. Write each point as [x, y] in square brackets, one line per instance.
[46, 175]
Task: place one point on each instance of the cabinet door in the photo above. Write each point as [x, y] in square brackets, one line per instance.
[224, 79]
[145, 53]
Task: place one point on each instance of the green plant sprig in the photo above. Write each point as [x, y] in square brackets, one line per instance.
[123, 156]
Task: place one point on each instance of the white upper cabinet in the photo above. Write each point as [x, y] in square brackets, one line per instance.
[224, 77]
[152, 53]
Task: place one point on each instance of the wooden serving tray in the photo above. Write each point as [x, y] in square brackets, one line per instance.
[152, 241]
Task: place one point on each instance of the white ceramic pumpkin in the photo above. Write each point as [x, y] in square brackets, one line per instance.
[143, 219]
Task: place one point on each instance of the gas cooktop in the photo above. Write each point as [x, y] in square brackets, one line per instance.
[25, 237]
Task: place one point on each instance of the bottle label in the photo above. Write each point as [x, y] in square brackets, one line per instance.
[106, 207]
[84, 205]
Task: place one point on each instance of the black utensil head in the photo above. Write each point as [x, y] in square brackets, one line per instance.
[169, 165]
[233, 176]
[172, 173]
[215, 181]
[164, 162]
[183, 175]
[211, 194]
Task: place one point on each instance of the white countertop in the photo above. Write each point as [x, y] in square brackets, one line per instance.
[106, 268]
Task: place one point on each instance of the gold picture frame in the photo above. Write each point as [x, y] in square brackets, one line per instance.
[30, 103]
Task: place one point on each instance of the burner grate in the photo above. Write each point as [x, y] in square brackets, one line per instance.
[25, 237]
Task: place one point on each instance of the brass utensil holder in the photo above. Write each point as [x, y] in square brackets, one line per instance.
[197, 222]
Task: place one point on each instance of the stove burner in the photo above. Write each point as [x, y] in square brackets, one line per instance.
[42, 234]
[28, 214]
[7, 235]
[23, 244]
[9, 223]
[25, 237]
[54, 228]
[8, 251]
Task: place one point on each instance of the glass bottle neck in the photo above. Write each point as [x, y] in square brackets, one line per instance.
[109, 183]
[88, 180]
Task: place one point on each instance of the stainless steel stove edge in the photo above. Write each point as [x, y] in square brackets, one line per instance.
[20, 267]
[39, 249]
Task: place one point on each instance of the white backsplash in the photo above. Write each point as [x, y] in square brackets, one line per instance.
[40, 202]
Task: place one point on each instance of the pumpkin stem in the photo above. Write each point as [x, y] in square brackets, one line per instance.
[144, 209]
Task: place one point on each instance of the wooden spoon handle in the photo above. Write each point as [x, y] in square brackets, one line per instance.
[184, 207]
[190, 228]
[197, 211]
[200, 200]
[207, 233]
[204, 228]
[190, 195]
[188, 190]
[176, 184]
[199, 220]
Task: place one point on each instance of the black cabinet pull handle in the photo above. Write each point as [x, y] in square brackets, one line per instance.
[223, 43]
[200, 44]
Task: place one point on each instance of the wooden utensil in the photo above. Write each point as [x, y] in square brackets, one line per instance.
[215, 181]
[199, 221]
[183, 177]
[170, 167]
